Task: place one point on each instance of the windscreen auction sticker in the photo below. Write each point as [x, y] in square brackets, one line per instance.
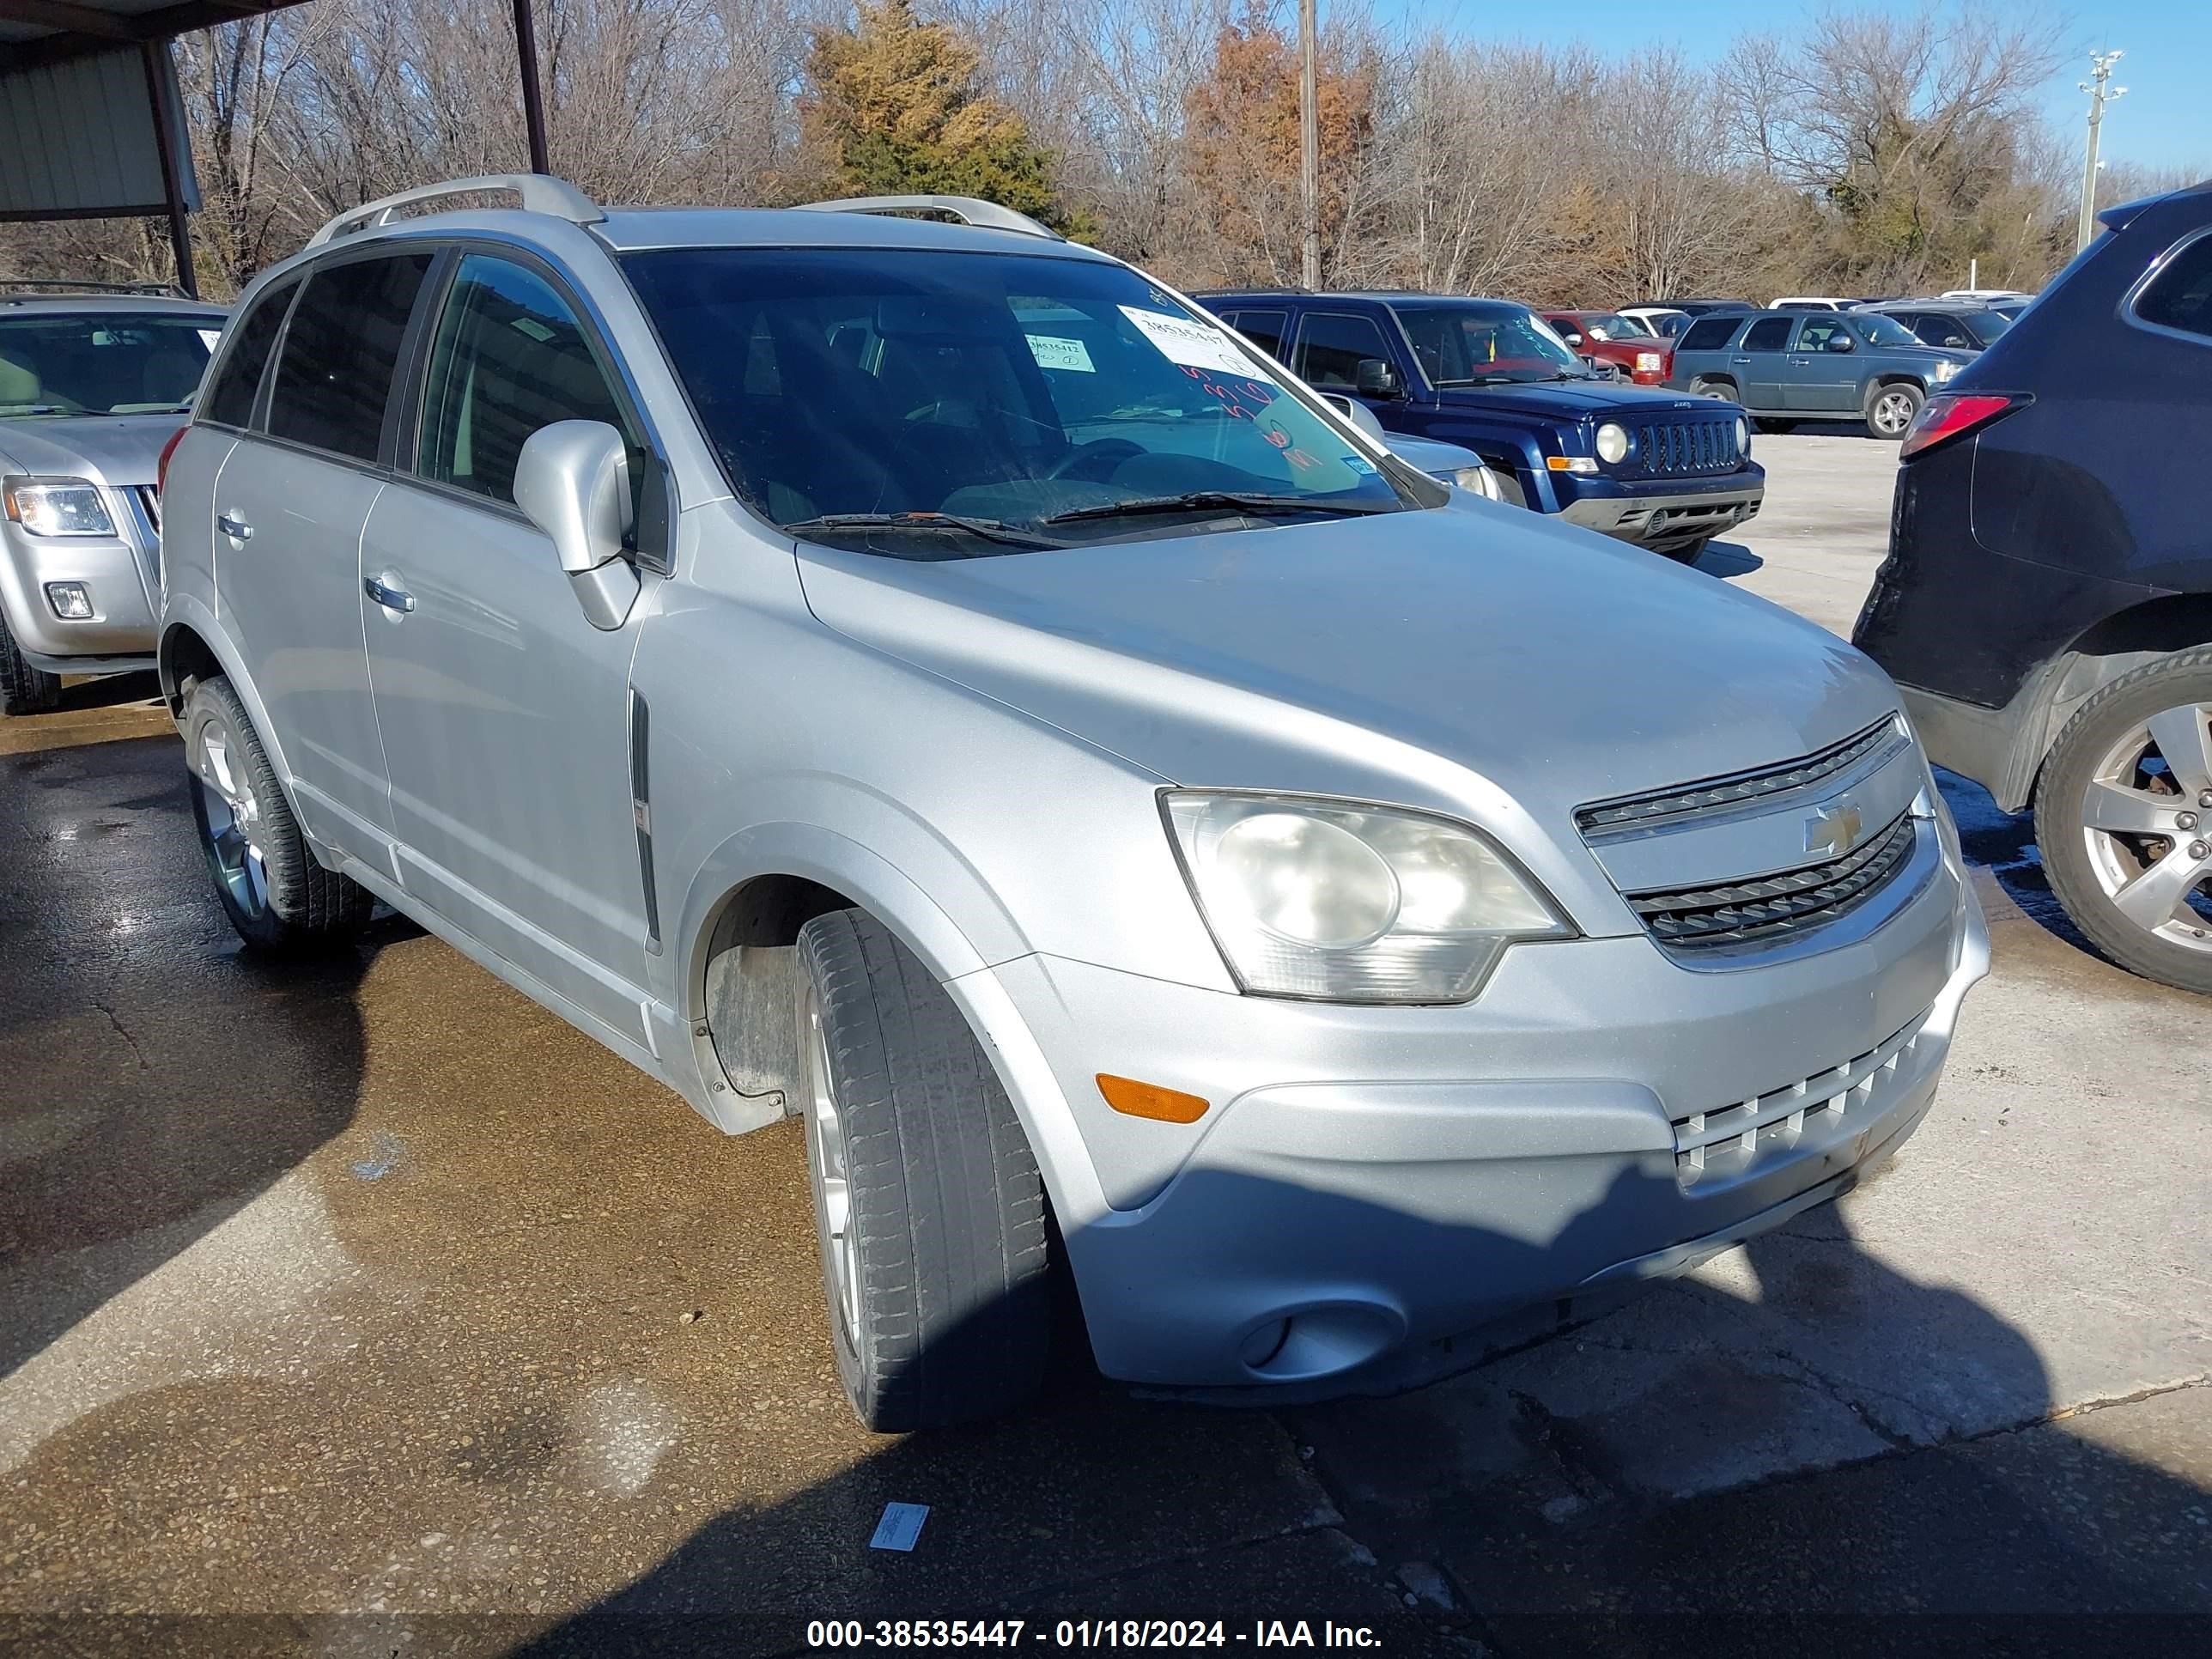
[1052, 351]
[1193, 345]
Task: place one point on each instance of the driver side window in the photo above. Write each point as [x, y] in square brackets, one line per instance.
[1817, 335]
[510, 357]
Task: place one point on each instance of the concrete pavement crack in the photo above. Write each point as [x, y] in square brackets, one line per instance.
[124, 1032]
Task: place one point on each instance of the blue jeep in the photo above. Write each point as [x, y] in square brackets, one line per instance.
[1665, 471]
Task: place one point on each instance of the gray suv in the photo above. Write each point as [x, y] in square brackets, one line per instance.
[931, 679]
[1784, 367]
[92, 386]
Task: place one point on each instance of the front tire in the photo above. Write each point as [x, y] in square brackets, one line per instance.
[24, 689]
[276, 896]
[927, 1203]
[1723, 391]
[1890, 408]
[2124, 817]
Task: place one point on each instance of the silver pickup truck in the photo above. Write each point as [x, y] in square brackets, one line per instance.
[92, 386]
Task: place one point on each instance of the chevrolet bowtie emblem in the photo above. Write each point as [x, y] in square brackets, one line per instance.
[1834, 831]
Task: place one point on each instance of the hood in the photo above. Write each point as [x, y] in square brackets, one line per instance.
[112, 449]
[1476, 659]
[1574, 400]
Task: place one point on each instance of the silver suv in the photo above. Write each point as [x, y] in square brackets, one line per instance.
[92, 386]
[930, 679]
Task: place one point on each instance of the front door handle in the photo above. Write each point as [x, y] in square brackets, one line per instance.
[1801, 362]
[391, 598]
[234, 526]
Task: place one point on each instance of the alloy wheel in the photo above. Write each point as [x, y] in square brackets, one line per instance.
[1893, 413]
[236, 827]
[825, 1133]
[2147, 823]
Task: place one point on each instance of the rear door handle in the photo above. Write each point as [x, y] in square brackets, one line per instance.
[1740, 360]
[391, 598]
[234, 526]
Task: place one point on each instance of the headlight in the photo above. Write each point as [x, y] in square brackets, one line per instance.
[1342, 903]
[1650, 362]
[1612, 444]
[1480, 479]
[1742, 436]
[1945, 370]
[58, 507]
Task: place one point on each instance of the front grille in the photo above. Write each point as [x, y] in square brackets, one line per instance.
[150, 501]
[1666, 449]
[1773, 908]
[1714, 1145]
[1725, 794]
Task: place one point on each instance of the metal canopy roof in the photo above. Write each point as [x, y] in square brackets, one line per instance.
[47, 31]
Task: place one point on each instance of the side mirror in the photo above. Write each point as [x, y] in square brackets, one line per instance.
[1572, 337]
[1357, 413]
[1842, 343]
[1375, 378]
[572, 481]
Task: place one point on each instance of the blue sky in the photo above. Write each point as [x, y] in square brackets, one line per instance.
[2166, 119]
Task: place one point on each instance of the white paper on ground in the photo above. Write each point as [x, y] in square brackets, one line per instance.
[900, 1526]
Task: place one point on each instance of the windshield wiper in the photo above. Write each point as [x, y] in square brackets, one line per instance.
[1199, 500]
[990, 529]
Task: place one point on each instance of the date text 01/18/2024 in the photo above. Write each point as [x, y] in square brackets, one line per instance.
[1086, 1634]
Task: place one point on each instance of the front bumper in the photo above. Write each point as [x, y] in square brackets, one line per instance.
[119, 634]
[1670, 515]
[1376, 1179]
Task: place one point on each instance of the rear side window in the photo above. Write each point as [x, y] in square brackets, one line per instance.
[1331, 346]
[1768, 334]
[230, 399]
[1264, 329]
[1710, 333]
[511, 357]
[335, 376]
[2180, 295]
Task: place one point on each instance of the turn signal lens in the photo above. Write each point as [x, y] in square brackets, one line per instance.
[1951, 415]
[1584, 464]
[1134, 1099]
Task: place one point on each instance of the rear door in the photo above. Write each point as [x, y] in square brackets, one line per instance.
[290, 503]
[1822, 380]
[505, 712]
[1760, 359]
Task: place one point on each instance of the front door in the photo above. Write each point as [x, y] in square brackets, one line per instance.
[1760, 361]
[504, 711]
[289, 504]
[1824, 375]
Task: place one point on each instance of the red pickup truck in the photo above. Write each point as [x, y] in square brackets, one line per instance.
[1621, 342]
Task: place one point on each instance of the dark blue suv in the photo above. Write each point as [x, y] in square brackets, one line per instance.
[2047, 600]
[1665, 471]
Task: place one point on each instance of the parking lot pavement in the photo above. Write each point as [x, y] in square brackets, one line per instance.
[1822, 528]
[365, 1307]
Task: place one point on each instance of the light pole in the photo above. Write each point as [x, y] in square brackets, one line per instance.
[1309, 146]
[2100, 72]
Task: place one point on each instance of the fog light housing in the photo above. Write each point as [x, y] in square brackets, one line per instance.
[72, 601]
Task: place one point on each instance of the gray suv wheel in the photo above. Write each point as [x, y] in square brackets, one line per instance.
[24, 689]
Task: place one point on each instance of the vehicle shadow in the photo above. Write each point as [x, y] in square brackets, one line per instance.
[1630, 1482]
[107, 691]
[158, 1077]
[1727, 559]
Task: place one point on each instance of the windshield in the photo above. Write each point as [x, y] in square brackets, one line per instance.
[972, 399]
[1615, 328]
[1485, 342]
[1877, 330]
[94, 362]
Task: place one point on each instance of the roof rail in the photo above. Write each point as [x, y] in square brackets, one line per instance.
[968, 210]
[42, 285]
[540, 193]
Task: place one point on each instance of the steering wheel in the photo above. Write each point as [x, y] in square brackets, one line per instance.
[1075, 463]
